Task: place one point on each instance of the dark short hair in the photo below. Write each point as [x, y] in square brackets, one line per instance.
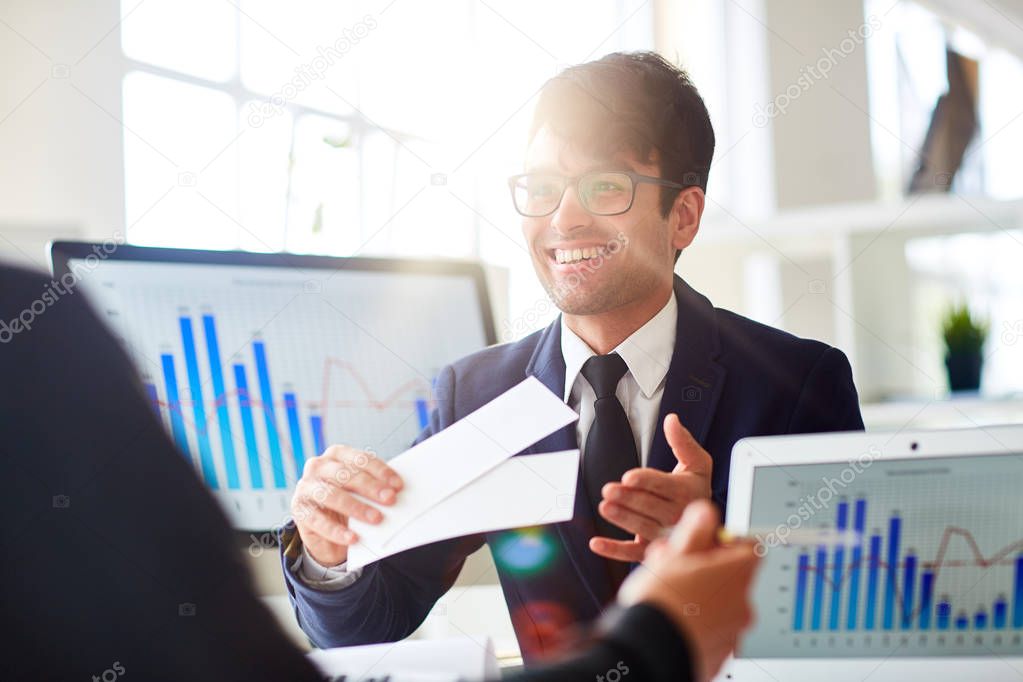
[634, 102]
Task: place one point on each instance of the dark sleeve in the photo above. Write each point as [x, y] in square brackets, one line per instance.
[393, 596]
[116, 557]
[828, 399]
[641, 643]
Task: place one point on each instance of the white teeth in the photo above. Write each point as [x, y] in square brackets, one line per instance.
[576, 255]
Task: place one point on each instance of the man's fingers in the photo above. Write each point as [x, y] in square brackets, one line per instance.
[337, 533]
[343, 502]
[690, 454]
[329, 496]
[619, 550]
[326, 525]
[630, 520]
[340, 474]
[348, 505]
[384, 473]
[355, 462]
[669, 486]
[697, 529]
[656, 507]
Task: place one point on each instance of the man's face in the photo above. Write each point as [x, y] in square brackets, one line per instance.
[631, 255]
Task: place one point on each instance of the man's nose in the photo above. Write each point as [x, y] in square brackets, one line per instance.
[570, 214]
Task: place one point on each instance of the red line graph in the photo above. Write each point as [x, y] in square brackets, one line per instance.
[378, 404]
[1001, 557]
[371, 400]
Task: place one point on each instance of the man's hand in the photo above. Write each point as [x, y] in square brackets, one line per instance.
[647, 500]
[703, 587]
[326, 496]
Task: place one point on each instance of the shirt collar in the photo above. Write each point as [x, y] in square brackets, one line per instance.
[647, 351]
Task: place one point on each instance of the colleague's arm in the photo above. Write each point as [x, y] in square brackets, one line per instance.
[116, 557]
[828, 399]
[391, 597]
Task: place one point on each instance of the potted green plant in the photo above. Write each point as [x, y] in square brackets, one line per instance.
[964, 335]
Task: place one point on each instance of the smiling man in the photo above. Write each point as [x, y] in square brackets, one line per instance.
[665, 384]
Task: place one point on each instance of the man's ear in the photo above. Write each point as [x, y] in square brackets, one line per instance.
[685, 216]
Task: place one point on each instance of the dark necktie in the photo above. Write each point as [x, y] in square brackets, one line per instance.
[610, 446]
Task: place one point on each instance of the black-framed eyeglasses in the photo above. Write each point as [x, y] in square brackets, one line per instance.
[602, 193]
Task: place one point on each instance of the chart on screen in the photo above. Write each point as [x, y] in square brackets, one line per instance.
[255, 370]
[929, 562]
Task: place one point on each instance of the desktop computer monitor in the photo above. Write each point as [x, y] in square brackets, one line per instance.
[256, 362]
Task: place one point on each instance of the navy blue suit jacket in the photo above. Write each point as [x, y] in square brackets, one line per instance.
[729, 378]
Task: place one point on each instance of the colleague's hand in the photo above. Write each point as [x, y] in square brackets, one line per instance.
[702, 586]
[647, 500]
[335, 486]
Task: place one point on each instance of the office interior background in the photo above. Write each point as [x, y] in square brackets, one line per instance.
[866, 176]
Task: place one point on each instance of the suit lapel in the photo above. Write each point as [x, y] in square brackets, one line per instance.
[695, 379]
[548, 365]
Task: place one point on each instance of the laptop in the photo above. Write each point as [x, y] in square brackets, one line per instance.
[919, 570]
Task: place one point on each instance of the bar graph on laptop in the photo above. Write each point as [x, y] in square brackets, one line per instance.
[883, 586]
[929, 559]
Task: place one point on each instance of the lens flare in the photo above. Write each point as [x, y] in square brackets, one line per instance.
[525, 551]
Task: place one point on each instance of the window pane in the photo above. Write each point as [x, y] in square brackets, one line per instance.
[180, 164]
[323, 210]
[263, 176]
[982, 270]
[421, 81]
[302, 52]
[196, 37]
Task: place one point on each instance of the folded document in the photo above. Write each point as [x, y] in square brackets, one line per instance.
[464, 479]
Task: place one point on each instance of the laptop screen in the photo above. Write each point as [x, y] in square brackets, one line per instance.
[925, 559]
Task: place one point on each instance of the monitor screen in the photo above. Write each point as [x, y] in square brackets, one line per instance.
[928, 559]
[258, 364]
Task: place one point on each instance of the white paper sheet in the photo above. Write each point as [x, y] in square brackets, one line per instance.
[454, 459]
[528, 490]
[442, 660]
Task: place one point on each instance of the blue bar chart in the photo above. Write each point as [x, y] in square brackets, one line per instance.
[223, 402]
[248, 427]
[256, 369]
[279, 430]
[220, 399]
[828, 577]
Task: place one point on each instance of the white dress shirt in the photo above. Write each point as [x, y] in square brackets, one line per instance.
[647, 354]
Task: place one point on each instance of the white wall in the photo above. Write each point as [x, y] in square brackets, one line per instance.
[60, 140]
[822, 142]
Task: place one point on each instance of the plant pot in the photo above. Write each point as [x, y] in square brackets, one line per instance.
[964, 369]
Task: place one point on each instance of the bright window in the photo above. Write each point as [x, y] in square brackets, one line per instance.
[981, 270]
[349, 128]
